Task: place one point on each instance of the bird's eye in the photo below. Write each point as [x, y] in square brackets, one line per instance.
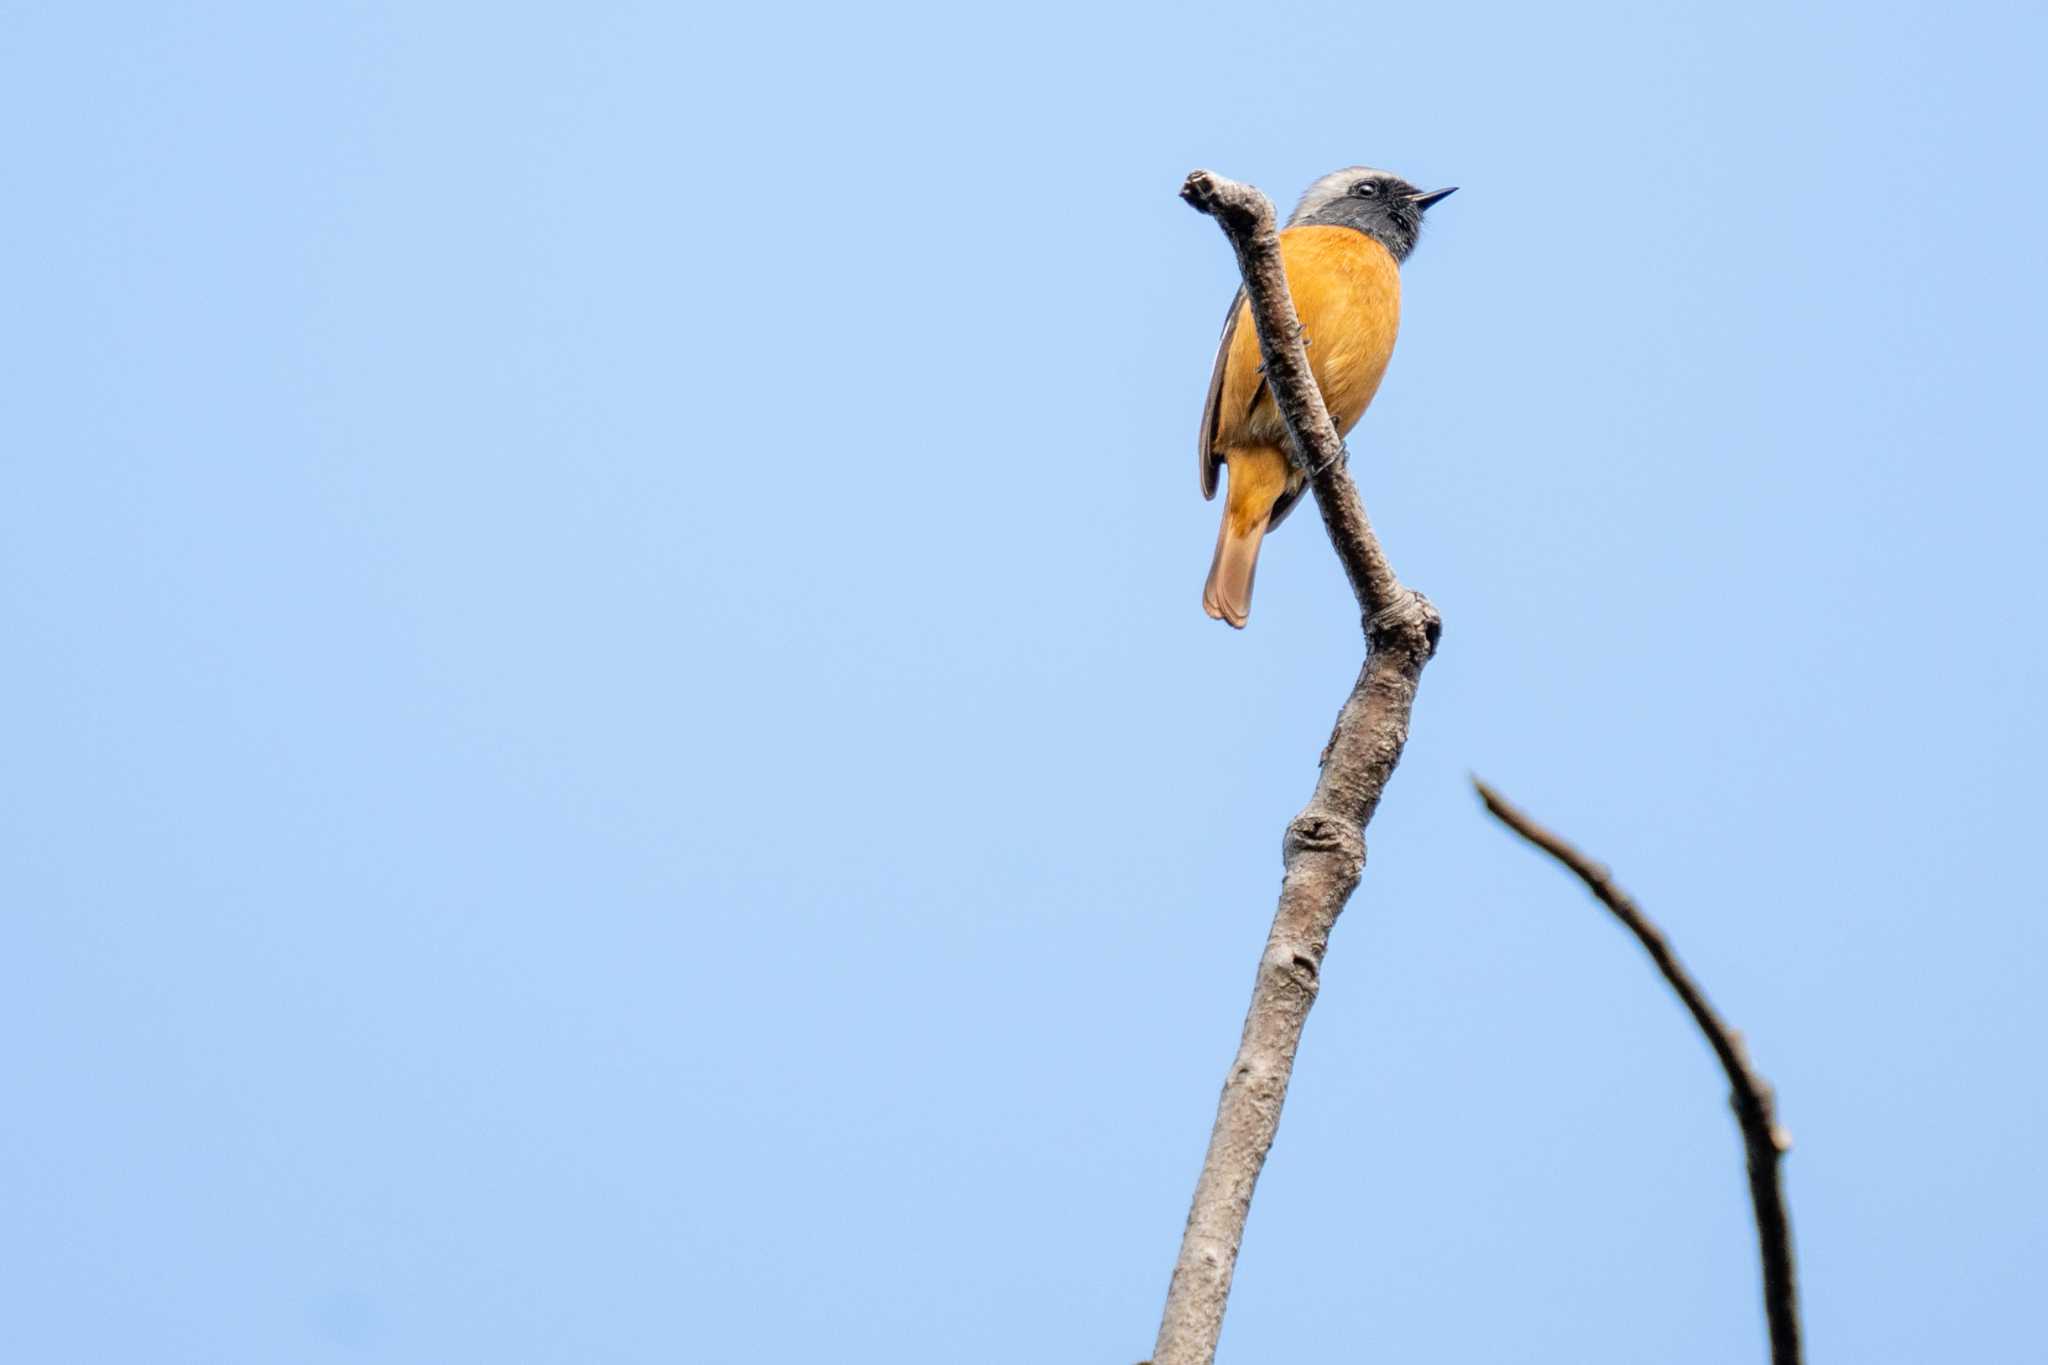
[1366, 188]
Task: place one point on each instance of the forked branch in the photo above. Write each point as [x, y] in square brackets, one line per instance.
[1324, 850]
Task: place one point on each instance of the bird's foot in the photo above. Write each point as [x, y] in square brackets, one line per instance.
[1343, 458]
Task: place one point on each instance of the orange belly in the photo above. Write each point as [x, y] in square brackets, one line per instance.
[1347, 291]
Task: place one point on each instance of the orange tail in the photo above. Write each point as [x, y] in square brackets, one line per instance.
[1227, 595]
[1258, 476]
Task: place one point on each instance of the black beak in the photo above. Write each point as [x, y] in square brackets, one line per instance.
[1423, 201]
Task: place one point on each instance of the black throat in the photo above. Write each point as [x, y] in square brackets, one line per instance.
[1392, 221]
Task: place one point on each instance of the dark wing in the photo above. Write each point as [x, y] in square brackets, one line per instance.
[1283, 505]
[1205, 448]
[1211, 463]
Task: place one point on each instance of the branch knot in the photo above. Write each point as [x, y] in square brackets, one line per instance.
[1315, 832]
[1409, 623]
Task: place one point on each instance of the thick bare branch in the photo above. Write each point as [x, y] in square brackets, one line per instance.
[1324, 849]
[1752, 1099]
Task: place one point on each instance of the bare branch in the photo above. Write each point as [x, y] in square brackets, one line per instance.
[1324, 849]
[1752, 1099]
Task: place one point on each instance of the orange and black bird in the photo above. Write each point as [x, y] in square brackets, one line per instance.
[1342, 251]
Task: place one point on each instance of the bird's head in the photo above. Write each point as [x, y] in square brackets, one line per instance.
[1381, 205]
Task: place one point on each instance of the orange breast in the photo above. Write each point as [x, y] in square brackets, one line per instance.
[1347, 289]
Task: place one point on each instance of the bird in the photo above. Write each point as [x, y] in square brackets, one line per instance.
[1342, 250]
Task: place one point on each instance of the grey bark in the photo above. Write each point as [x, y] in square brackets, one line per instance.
[1754, 1102]
[1324, 849]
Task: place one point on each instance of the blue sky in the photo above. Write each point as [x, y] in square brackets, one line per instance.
[613, 753]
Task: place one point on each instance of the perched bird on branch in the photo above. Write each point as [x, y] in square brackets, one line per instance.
[1342, 251]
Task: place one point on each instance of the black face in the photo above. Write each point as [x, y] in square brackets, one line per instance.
[1384, 207]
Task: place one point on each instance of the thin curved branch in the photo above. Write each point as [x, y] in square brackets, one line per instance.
[1752, 1098]
[1324, 849]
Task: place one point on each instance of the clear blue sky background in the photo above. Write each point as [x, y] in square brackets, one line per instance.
[612, 753]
